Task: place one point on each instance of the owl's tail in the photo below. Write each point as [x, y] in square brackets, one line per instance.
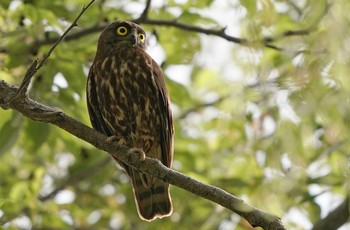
[152, 196]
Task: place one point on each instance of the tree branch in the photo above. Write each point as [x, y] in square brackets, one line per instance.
[42, 113]
[143, 19]
[201, 106]
[72, 36]
[173, 23]
[144, 14]
[336, 218]
[35, 67]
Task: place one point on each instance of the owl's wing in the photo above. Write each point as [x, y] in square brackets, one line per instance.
[167, 129]
[96, 118]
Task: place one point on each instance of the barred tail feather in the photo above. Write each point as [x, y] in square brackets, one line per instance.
[152, 201]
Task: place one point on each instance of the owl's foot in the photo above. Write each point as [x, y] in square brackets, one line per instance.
[137, 153]
[117, 140]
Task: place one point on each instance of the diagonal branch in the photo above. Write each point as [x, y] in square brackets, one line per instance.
[336, 218]
[36, 66]
[144, 14]
[42, 113]
[201, 106]
[72, 36]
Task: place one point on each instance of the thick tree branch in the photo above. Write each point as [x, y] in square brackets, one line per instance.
[42, 113]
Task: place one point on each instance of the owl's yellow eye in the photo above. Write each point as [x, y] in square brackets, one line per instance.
[142, 37]
[122, 30]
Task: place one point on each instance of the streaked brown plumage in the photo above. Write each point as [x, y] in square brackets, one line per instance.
[127, 99]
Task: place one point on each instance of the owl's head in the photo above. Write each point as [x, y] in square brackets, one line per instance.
[123, 33]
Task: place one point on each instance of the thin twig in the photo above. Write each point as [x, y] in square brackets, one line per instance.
[144, 14]
[201, 106]
[72, 36]
[25, 83]
[288, 33]
[35, 67]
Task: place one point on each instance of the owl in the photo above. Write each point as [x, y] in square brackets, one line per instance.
[128, 101]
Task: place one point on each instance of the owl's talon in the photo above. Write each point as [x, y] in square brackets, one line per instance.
[117, 140]
[138, 152]
[112, 138]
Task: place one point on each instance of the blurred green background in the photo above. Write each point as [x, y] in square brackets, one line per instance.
[269, 126]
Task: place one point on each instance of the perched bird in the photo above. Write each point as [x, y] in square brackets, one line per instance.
[128, 100]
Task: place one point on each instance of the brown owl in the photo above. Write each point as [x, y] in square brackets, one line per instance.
[128, 100]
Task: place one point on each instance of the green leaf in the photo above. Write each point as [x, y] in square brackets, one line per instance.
[250, 5]
[197, 19]
[179, 93]
[19, 191]
[187, 45]
[9, 132]
[37, 180]
[37, 134]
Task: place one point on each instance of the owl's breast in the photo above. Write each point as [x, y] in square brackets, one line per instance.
[129, 90]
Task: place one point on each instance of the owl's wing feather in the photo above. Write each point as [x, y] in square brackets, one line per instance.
[152, 195]
[96, 118]
[167, 129]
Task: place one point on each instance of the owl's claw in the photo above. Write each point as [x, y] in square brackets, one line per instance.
[117, 140]
[137, 152]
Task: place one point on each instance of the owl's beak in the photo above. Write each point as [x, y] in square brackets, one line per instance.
[134, 38]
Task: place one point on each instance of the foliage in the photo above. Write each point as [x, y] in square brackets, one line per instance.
[270, 125]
